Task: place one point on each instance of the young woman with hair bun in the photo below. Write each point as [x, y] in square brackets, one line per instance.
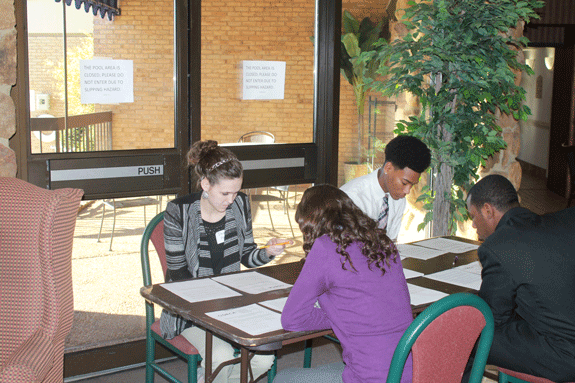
[210, 233]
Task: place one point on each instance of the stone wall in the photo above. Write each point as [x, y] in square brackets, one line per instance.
[7, 80]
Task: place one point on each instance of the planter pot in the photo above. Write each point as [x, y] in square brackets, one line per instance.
[353, 170]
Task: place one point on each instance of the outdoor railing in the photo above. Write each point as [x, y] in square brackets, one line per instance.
[83, 133]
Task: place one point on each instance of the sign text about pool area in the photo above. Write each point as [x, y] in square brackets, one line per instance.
[263, 80]
[106, 81]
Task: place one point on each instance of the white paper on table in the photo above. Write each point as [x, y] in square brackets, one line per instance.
[421, 295]
[198, 290]
[419, 252]
[473, 267]
[251, 282]
[411, 274]
[459, 277]
[448, 245]
[252, 319]
[275, 304]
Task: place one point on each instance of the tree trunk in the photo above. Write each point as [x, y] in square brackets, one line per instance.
[442, 188]
[441, 204]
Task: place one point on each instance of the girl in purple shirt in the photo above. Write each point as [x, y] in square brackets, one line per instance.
[353, 283]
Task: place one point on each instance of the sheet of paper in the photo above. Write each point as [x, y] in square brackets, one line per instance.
[448, 245]
[198, 290]
[422, 295]
[411, 274]
[473, 267]
[251, 282]
[419, 252]
[458, 276]
[252, 319]
[275, 304]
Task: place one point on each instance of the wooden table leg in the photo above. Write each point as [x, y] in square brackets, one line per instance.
[244, 365]
[208, 361]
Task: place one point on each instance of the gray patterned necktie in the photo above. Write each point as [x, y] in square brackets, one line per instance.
[382, 218]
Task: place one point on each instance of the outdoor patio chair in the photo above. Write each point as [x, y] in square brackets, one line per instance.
[37, 304]
[126, 203]
[282, 196]
[442, 338]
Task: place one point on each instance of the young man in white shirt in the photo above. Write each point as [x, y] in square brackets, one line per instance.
[381, 194]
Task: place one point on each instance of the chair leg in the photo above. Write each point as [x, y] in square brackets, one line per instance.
[150, 354]
[307, 354]
[273, 370]
[114, 224]
[193, 368]
[270, 212]
[102, 221]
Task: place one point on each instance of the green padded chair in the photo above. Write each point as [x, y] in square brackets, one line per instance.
[154, 232]
[179, 345]
[442, 338]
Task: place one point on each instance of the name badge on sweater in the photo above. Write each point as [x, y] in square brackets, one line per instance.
[220, 236]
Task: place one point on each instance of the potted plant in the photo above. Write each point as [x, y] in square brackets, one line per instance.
[359, 38]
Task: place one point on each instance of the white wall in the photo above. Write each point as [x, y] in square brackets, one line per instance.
[535, 131]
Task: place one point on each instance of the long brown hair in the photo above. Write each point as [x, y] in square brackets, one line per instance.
[213, 162]
[325, 209]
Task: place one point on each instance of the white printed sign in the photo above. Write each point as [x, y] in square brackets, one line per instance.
[106, 81]
[263, 80]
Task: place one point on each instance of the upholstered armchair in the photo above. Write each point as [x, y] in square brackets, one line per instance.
[36, 304]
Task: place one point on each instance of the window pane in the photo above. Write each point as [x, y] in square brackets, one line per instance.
[244, 50]
[97, 109]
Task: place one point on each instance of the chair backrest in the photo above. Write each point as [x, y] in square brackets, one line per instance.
[258, 136]
[442, 338]
[154, 233]
[36, 234]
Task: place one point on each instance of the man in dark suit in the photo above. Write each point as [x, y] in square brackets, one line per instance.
[528, 280]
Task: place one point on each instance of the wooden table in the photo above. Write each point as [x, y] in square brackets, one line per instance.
[196, 312]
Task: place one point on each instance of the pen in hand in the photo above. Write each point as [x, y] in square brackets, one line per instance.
[275, 244]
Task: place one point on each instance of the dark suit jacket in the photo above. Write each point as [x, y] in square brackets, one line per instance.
[528, 280]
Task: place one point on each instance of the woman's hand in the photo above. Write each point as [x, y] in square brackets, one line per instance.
[276, 246]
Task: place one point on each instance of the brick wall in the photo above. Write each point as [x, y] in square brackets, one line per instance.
[231, 32]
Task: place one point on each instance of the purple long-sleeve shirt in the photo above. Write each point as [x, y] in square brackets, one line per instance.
[367, 311]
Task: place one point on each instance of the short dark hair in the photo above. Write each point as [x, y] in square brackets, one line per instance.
[408, 151]
[495, 190]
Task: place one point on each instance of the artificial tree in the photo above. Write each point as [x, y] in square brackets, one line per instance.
[459, 58]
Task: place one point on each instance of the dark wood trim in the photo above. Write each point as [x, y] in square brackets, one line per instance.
[20, 92]
[561, 114]
[326, 97]
[186, 99]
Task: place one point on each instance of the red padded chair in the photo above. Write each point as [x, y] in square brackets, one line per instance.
[155, 233]
[442, 338]
[37, 304]
[508, 376]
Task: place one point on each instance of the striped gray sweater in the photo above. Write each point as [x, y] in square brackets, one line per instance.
[183, 230]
